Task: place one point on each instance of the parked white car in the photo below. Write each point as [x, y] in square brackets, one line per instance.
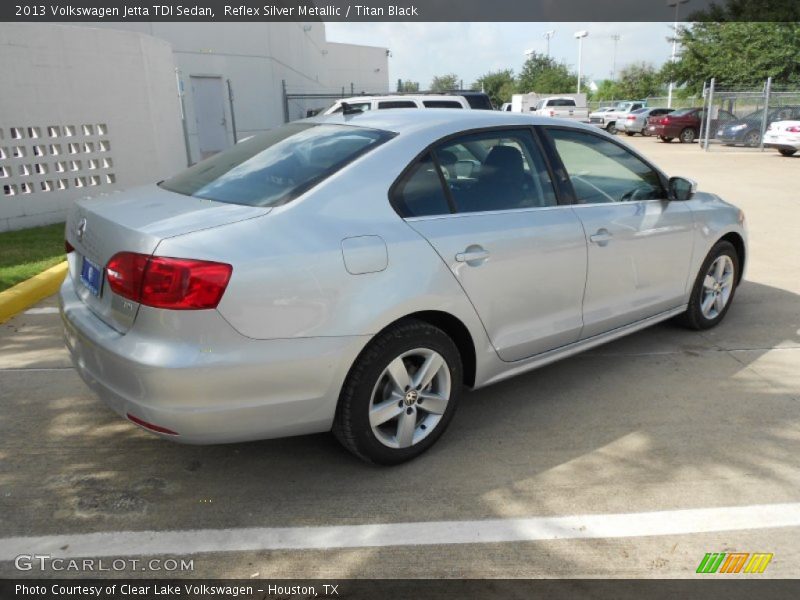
[365, 103]
[784, 136]
[608, 119]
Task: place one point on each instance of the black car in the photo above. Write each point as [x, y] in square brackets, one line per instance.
[747, 130]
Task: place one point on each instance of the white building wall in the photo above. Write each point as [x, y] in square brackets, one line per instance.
[82, 111]
[257, 58]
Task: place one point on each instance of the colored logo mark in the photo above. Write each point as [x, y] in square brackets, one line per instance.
[734, 562]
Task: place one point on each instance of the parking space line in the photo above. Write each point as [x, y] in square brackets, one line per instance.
[148, 543]
[45, 310]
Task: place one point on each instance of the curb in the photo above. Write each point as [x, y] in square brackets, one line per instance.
[27, 293]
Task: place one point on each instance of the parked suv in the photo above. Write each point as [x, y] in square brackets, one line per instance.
[747, 130]
[685, 124]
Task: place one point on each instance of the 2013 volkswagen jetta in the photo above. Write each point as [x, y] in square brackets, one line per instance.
[356, 272]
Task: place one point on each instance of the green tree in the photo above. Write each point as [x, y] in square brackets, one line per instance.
[639, 80]
[736, 54]
[544, 75]
[407, 86]
[606, 90]
[443, 83]
[498, 85]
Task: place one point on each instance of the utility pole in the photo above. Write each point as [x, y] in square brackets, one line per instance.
[677, 5]
[616, 37]
[579, 35]
[547, 36]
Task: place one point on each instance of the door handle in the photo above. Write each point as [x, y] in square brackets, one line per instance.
[473, 254]
[601, 238]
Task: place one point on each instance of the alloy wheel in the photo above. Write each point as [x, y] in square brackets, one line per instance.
[717, 287]
[410, 398]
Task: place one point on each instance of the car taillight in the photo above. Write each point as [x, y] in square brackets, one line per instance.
[631, 118]
[162, 282]
[68, 247]
[665, 120]
[793, 129]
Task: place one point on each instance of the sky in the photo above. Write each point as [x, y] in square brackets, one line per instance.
[422, 50]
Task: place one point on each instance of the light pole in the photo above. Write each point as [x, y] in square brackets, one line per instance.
[677, 5]
[547, 36]
[616, 37]
[579, 35]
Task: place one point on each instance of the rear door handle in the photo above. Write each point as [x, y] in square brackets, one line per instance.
[601, 238]
[473, 254]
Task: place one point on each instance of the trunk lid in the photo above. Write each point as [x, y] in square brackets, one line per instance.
[135, 221]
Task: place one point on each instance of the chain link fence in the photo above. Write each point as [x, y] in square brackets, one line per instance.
[739, 117]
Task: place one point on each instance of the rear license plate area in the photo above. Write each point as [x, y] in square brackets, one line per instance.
[91, 276]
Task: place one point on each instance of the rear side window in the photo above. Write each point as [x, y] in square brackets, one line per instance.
[441, 104]
[273, 168]
[397, 104]
[479, 101]
[420, 193]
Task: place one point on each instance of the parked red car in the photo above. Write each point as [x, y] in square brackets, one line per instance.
[685, 124]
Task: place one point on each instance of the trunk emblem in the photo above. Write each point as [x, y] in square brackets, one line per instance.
[81, 229]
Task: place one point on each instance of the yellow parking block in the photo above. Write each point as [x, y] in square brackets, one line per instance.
[24, 295]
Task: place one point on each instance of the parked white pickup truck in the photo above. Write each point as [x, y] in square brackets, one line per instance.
[561, 107]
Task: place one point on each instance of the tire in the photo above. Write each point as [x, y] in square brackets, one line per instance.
[646, 133]
[665, 139]
[752, 139]
[787, 151]
[696, 316]
[687, 136]
[612, 128]
[630, 133]
[370, 383]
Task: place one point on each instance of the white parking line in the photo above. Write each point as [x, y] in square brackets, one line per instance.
[143, 543]
[45, 310]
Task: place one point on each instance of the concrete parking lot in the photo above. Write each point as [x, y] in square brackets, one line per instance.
[664, 420]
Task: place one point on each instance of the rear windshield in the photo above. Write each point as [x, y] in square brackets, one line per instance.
[682, 111]
[274, 167]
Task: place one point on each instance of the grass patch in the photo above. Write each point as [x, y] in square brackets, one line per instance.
[26, 252]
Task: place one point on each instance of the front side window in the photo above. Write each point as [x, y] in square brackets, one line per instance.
[499, 170]
[601, 171]
[274, 167]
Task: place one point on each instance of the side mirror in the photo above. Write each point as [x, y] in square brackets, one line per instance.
[681, 188]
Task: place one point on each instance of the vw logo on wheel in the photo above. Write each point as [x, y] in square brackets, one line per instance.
[411, 397]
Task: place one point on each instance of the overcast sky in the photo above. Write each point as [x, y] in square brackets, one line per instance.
[422, 50]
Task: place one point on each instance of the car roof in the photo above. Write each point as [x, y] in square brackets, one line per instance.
[357, 99]
[442, 120]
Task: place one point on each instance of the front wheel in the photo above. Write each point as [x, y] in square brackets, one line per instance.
[687, 136]
[787, 151]
[665, 139]
[714, 288]
[400, 395]
[611, 128]
[630, 133]
[752, 139]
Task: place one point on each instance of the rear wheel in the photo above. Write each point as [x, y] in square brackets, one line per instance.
[665, 139]
[687, 136]
[714, 288]
[400, 395]
[752, 139]
[787, 151]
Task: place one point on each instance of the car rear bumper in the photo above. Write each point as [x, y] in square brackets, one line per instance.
[217, 387]
[780, 146]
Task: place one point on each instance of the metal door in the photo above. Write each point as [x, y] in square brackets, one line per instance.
[209, 112]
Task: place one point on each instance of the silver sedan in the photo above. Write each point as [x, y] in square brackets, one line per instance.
[354, 273]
